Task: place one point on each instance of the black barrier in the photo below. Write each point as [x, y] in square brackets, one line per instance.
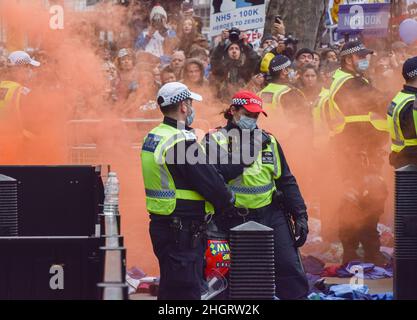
[405, 272]
[52, 268]
[57, 200]
[8, 207]
[252, 271]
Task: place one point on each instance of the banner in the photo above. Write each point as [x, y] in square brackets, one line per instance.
[368, 19]
[333, 11]
[244, 15]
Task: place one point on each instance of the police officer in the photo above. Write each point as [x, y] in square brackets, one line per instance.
[180, 194]
[287, 103]
[253, 164]
[279, 93]
[13, 92]
[402, 119]
[359, 128]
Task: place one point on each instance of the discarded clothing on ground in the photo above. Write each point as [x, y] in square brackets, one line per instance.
[349, 292]
[313, 265]
[364, 271]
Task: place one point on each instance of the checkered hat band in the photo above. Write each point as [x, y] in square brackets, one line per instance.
[239, 102]
[21, 62]
[412, 74]
[281, 67]
[184, 95]
[352, 50]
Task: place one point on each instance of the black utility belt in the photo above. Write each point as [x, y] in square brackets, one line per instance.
[172, 218]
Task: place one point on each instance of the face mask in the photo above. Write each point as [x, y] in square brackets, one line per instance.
[190, 118]
[246, 123]
[363, 65]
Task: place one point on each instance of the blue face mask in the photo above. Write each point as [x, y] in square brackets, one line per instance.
[190, 118]
[363, 65]
[246, 123]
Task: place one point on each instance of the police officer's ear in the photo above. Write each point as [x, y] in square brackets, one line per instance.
[183, 107]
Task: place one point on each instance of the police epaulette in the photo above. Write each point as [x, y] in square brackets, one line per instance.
[189, 136]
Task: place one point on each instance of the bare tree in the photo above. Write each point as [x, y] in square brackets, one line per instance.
[303, 19]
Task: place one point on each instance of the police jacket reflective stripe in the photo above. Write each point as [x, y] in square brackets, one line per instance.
[160, 189]
[9, 94]
[254, 189]
[399, 142]
[272, 94]
[338, 119]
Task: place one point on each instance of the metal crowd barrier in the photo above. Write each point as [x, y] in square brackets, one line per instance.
[84, 147]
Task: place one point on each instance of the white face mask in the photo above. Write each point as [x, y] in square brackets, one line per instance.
[362, 65]
[247, 123]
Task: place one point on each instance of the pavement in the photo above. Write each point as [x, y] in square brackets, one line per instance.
[375, 286]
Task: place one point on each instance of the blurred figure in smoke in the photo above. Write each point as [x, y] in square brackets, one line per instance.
[357, 121]
[125, 63]
[399, 50]
[202, 55]
[167, 75]
[157, 76]
[194, 74]
[384, 76]
[189, 37]
[13, 92]
[177, 64]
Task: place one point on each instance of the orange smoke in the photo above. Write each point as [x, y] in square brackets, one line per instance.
[70, 85]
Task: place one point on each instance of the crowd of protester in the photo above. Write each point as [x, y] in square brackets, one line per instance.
[164, 43]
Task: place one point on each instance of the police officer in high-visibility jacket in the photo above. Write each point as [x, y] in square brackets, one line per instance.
[182, 192]
[279, 93]
[254, 166]
[13, 91]
[357, 120]
[19, 63]
[402, 119]
[287, 104]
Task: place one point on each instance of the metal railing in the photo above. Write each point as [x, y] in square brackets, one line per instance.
[83, 149]
[114, 285]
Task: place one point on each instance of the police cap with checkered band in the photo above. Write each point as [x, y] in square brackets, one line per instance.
[20, 58]
[355, 47]
[410, 69]
[248, 100]
[175, 92]
[279, 63]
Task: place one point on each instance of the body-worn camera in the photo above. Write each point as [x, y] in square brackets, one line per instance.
[234, 35]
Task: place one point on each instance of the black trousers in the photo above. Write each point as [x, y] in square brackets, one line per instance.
[291, 281]
[180, 263]
[359, 226]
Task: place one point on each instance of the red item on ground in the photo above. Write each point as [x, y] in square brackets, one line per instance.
[331, 271]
